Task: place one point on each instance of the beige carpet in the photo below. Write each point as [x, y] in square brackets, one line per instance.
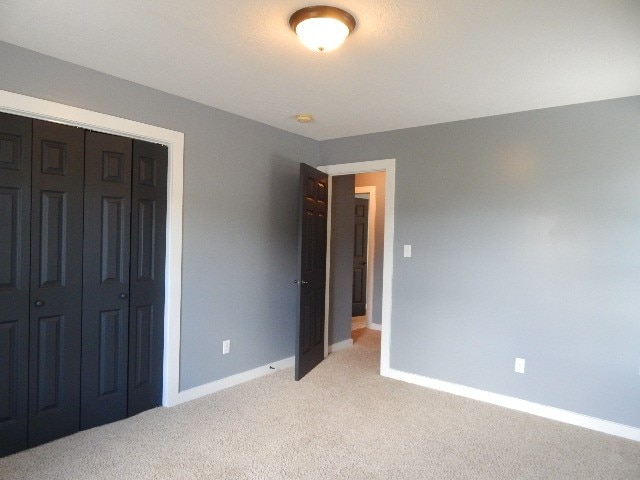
[342, 421]
[358, 322]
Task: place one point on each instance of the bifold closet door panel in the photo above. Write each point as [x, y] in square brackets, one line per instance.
[148, 240]
[105, 307]
[15, 203]
[56, 281]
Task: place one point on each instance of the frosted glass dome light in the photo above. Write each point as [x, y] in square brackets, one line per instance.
[322, 28]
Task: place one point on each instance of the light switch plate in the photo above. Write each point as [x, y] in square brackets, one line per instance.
[407, 251]
[519, 367]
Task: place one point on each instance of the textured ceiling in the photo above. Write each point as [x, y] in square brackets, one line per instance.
[408, 63]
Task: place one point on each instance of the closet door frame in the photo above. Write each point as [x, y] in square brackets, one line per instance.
[59, 113]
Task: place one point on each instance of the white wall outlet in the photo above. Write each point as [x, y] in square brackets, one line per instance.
[407, 251]
[226, 346]
[519, 365]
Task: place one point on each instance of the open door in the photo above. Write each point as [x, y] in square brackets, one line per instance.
[312, 251]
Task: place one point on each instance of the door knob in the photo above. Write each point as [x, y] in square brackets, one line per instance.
[301, 282]
[123, 296]
[39, 303]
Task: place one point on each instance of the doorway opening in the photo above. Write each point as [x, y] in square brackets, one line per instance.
[384, 255]
[370, 202]
[364, 226]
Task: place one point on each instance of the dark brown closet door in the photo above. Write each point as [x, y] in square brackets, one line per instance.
[148, 239]
[56, 281]
[15, 203]
[105, 316]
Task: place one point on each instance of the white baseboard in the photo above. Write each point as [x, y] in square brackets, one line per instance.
[565, 416]
[374, 326]
[336, 347]
[233, 380]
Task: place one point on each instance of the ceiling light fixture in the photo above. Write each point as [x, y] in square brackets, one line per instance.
[322, 28]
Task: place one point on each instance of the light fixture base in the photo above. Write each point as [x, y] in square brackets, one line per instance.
[322, 11]
[322, 28]
[304, 118]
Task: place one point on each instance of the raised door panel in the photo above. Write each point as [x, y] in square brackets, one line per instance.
[113, 242]
[141, 360]
[13, 416]
[56, 281]
[49, 348]
[8, 387]
[106, 254]
[112, 338]
[358, 286]
[52, 241]
[15, 206]
[10, 237]
[148, 238]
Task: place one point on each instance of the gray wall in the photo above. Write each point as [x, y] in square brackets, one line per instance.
[376, 179]
[525, 230]
[240, 212]
[342, 238]
[526, 242]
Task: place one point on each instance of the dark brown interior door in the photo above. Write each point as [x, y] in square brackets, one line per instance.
[312, 248]
[15, 202]
[361, 218]
[105, 306]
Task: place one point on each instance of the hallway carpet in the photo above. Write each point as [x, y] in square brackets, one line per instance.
[342, 421]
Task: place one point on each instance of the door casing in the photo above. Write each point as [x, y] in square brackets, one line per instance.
[389, 167]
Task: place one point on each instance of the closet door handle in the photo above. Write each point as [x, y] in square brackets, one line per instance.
[39, 303]
[123, 296]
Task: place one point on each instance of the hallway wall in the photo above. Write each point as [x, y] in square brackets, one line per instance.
[341, 276]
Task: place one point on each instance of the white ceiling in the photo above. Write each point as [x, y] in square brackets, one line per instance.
[408, 63]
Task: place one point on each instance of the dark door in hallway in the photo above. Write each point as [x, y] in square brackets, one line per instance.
[361, 218]
[312, 250]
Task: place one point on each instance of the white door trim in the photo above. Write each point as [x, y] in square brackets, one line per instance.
[389, 167]
[371, 246]
[59, 113]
